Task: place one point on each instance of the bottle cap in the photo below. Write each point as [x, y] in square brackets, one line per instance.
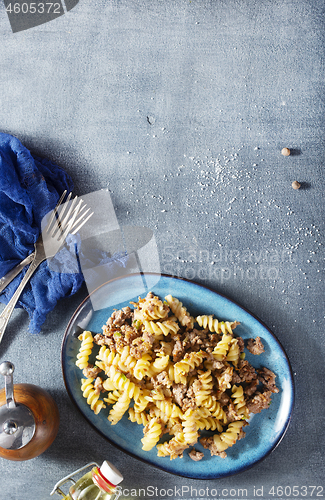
[111, 473]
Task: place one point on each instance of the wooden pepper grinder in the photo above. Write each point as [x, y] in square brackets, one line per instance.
[29, 418]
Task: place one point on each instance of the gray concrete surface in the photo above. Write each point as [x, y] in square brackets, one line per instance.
[181, 108]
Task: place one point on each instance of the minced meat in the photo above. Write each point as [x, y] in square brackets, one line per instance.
[267, 377]
[255, 346]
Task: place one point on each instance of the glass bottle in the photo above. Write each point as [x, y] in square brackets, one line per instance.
[99, 483]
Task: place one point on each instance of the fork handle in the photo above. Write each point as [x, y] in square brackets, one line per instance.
[7, 278]
[8, 310]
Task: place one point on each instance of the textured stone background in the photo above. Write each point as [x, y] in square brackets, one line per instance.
[181, 109]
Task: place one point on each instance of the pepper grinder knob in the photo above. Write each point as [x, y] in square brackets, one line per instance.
[7, 369]
[29, 424]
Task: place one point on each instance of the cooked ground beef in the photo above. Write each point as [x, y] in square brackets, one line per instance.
[178, 351]
[251, 387]
[214, 364]
[194, 340]
[98, 385]
[91, 371]
[189, 401]
[129, 333]
[267, 377]
[241, 344]
[139, 348]
[255, 346]
[120, 317]
[224, 399]
[163, 379]
[246, 371]
[100, 339]
[260, 401]
[224, 378]
[148, 337]
[179, 391]
[196, 455]
[213, 339]
[208, 444]
[231, 413]
[235, 378]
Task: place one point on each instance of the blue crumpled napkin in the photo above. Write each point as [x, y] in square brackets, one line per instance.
[29, 188]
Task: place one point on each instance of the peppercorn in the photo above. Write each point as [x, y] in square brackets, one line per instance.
[286, 152]
[296, 185]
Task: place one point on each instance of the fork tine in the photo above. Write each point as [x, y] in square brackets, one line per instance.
[55, 210]
[81, 209]
[59, 209]
[81, 215]
[64, 217]
[82, 223]
[67, 229]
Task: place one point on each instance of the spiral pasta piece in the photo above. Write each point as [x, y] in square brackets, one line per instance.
[138, 417]
[92, 396]
[190, 361]
[190, 427]
[234, 352]
[108, 357]
[85, 349]
[221, 349]
[142, 367]
[158, 365]
[158, 328]
[156, 395]
[215, 409]
[156, 413]
[209, 423]
[180, 311]
[119, 408]
[152, 433]
[206, 380]
[163, 449]
[171, 410]
[214, 325]
[151, 308]
[112, 397]
[230, 436]
[174, 447]
[142, 401]
[239, 400]
[123, 383]
[170, 372]
[127, 362]
[158, 311]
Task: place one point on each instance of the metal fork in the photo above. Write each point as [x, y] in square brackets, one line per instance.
[53, 236]
[10, 275]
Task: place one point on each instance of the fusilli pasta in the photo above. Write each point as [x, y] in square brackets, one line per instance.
[152, 433]
[89, 392]
[85, 349]
[173, 378]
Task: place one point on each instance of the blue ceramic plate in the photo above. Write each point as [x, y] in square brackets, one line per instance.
[266, 428]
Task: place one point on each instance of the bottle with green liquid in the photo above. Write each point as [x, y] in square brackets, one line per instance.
[99, 483]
